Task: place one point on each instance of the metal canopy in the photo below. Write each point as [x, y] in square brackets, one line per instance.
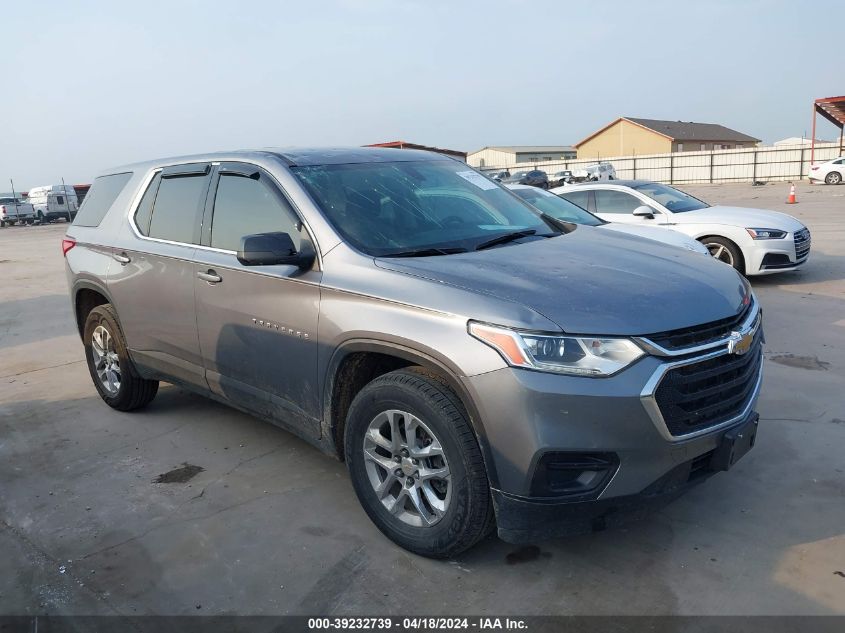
[832, 109]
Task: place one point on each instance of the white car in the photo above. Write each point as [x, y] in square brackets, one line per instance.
[561, 209]
[832, 172]
[754, 241]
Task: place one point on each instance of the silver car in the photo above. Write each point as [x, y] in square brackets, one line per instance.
[477, 364]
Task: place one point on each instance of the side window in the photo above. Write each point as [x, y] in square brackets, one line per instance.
[100, 198]
[177, 207]
[610, 201]
[244, 206]
[581, 198]
[145, 208]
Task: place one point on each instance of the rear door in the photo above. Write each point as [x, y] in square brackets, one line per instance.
[582, 197]
[257, 324]
[152, 283]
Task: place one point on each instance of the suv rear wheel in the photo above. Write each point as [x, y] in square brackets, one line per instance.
[416, 466]
[109, 364]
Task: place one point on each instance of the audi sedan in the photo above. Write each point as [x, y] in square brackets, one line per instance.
[753, 241]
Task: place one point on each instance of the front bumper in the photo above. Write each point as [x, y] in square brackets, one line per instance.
[522, 520]
[528, 414]
[776, 256]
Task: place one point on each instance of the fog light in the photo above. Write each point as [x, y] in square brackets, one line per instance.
[576, 476]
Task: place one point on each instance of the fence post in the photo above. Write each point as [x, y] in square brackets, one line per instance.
[754, 168]
[635, 168]
[671, 168]
[711, 166]
[801, 164]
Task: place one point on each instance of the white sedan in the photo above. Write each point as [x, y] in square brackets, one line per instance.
[754, 241]
[562, 209]
[832, 172]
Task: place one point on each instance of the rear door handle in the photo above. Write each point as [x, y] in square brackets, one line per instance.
[123, 258]
[210, 276]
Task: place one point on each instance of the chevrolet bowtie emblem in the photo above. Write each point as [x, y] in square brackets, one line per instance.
[739, 343]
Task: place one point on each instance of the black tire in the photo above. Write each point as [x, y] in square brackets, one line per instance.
[469, 517]
[730, 255]
[134, 392]
[833, 178]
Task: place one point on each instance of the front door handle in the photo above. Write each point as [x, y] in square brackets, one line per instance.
[210, 276]
[123, 258]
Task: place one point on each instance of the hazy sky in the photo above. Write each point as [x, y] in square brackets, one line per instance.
[94, 84]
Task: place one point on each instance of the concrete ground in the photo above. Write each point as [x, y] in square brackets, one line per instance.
[271, 526]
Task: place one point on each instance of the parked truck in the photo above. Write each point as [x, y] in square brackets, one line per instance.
[52, 202]
[13, 211]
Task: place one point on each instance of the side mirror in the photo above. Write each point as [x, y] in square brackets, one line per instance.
[271, 249]
[644, 211]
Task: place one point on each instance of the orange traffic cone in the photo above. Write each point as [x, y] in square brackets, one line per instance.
[791, 199]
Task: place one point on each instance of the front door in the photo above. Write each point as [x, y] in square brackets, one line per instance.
[613, 205]
[257, 324]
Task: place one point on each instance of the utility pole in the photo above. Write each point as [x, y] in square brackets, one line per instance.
[14, 195]
[67, 200]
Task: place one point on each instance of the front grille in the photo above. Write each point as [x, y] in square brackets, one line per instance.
[802, 244]
[699, 334]
[700, 395]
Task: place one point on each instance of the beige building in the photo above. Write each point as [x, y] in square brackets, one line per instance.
[628, 136]
[511, 155]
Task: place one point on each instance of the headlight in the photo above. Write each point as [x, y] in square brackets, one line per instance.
[576, 355]
[766, 234]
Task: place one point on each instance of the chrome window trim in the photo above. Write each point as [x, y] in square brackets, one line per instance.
[750, 324]
[133, 209]
[649, 401]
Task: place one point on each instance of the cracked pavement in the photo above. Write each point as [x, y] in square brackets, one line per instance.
[271, 526]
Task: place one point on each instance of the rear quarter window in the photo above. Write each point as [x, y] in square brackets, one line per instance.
[104, 191]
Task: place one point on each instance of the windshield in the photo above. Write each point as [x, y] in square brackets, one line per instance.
[556, 207]
[386, 209]
[674, 200]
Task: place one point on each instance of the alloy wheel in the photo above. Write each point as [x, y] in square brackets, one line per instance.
[106, 361]
[721, 252]
[407, 468]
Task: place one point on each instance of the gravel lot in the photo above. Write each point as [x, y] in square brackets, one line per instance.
[271, 526]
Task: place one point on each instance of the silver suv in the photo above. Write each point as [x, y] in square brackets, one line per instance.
[477, 364]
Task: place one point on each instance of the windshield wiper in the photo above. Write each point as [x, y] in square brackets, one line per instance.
[565, 226]
[426, 252]
[504, 239]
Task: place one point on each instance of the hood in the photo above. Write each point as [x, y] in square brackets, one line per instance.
[667, 236]
[740, 216]
[593, 281]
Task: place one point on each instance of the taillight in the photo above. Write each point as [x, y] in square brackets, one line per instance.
[814, 168]
[67, 244]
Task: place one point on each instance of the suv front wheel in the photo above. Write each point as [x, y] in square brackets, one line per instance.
[416, 465]
[109, 364]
